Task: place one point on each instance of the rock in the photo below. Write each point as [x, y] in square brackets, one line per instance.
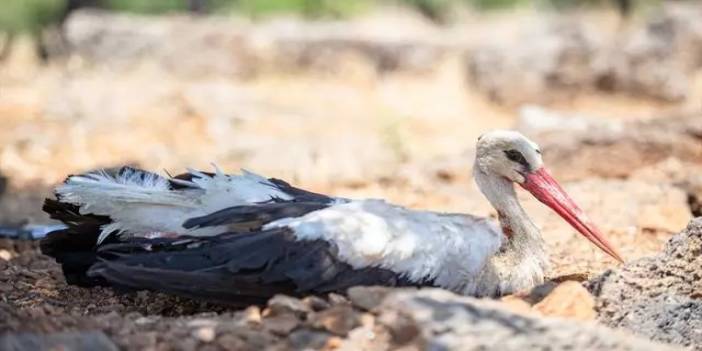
[202, 322]
[315, 303]
[685, 175]
[658, 297]
[516, 305]
[252, 314]
[539, 292]
[122, 41]
[281, 324]
[5, 255]
[336, 299]
[236, 48]
[144, 320]
[204, 334]
[73, 341]
[620, 152]
[339, 319]
[540, 58]
[402, 328]
[535, 120]
[559, 57]
[281, 304]
[231, 342]
[366, 337]
[435, 319]
[5, 287]
[366, 297]
[308, 340]
[568, 300]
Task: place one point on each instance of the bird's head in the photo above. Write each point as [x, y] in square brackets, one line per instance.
[508, 154]
[511, 155]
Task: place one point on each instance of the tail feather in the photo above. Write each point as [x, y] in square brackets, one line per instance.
[100, 191]
[73, 247]
[141, 202]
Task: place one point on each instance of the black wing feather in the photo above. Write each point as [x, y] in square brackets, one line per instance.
[238, 269]
[254, 216]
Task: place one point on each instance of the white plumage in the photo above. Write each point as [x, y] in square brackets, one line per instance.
[144, 204]
[450, 249]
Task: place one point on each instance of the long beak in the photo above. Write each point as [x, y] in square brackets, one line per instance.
[540, 184]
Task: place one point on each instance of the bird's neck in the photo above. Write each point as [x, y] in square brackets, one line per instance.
[524, 242]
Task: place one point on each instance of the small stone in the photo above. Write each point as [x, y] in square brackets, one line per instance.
[89, 340]
[367, 320]
[204, 334]
[201, 322]
[145, 341]
[367, 297]
[5, 255]
[30, 274]
[569, 300]
[539, 292]
[231, 342]
[516, 305]
[185, 344]
[308, 339]
[281, 324]
[336, 299]
[315, 303]
[281, 304]
[401, 327]
[143, 320]
[252, 314]
[255, 338]
[338, 319]
[333, 343]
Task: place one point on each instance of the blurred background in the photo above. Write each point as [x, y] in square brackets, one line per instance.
[363, 98]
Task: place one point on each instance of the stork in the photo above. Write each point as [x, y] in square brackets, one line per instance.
[241, 239]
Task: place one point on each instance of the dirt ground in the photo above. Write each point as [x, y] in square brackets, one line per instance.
[404, 137]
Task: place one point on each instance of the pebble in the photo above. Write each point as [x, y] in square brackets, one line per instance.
[569, 300]
[367, 297]
[337, 320]
[336, 299]
[281, 324]
[204, 334]
[315, 303]
[280, 304]
[5, 255]
[252, 314]
[201, 322]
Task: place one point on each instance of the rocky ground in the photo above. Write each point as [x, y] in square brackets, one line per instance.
[47, 312]
[337, 108]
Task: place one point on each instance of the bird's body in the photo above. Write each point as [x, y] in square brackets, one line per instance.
[242, 238]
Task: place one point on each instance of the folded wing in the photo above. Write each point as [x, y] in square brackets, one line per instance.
[238, 269]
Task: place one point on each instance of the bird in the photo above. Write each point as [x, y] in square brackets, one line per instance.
[242, 238]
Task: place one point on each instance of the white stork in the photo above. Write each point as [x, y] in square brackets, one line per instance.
[242, 238]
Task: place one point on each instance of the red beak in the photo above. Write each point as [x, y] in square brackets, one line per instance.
[540, 184]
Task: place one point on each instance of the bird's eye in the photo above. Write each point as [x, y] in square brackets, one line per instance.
[516, 156]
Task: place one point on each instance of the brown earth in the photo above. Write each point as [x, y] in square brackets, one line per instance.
[403, 135]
